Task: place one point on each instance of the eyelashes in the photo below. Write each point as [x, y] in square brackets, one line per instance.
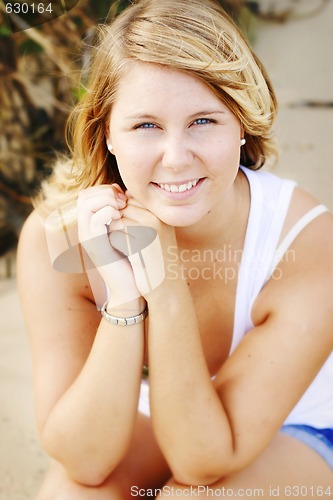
[204, 121]
[145, 126]
[149, 125]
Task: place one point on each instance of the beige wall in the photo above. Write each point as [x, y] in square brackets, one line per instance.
[298, 57]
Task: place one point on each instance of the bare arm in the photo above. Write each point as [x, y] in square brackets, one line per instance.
[207, 430]
[86, 372]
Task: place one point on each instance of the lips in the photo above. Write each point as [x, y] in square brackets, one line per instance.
[179, 190]
[179, 187]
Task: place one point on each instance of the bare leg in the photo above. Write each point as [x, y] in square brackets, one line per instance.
[286, 469]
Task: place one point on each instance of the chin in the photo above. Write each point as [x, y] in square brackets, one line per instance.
[177, 219]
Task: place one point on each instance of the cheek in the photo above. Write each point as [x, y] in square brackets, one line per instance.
[133, 172]
[224, 157]
[135, 162]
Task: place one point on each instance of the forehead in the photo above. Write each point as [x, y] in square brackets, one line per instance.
[148, 84]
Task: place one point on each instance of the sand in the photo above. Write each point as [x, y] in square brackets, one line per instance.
[22, 463]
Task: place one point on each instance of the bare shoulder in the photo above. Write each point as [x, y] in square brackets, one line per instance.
[34, 259]
[48, 295]
[302, 286]
[301, 203]
[45, 291]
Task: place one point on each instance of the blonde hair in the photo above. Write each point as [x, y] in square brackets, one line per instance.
[195, 36]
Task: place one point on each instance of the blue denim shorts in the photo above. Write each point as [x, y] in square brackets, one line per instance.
[320, 440]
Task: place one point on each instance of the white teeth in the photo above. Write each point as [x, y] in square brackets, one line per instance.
[179, 189]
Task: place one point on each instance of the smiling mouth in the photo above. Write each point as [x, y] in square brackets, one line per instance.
[178, 188]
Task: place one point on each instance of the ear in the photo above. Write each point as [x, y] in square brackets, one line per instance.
[242, 131]
[107, 135]
[108, 141]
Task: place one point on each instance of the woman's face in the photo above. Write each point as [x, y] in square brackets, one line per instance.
[177, 145]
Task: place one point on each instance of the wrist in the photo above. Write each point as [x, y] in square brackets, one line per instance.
[127, 309]
[124, 320]
[168, 292]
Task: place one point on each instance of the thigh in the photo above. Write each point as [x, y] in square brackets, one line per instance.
[143, 467]
[286, 469]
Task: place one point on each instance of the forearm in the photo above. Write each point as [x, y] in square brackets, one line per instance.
[90, 427]
[190, 423]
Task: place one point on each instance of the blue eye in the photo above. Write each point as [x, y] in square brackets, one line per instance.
[145, 125]
[203, 121]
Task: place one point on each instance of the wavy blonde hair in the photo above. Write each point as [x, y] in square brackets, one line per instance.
[196, 36]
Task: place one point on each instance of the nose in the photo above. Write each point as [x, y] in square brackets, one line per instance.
[177, 153]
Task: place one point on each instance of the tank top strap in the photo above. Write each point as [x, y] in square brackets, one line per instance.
[269, 202]
[293, 233]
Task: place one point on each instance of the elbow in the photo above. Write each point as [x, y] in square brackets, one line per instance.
[205, 467]
[87, 469]
[190, 478]
[89, 466]
[195, 477]
[200, 471]
[205, 471]
[91, 475]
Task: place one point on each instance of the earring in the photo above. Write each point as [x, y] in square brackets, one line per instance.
[110, 148]
[243, 141]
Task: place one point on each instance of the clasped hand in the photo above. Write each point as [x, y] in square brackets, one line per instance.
[125, 241]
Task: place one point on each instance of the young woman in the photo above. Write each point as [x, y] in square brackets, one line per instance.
[215, 276]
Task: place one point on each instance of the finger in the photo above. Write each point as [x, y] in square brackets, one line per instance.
[90, 202]
[121, 224]
[95, 198]
[137, 213]
[100, 220]
[135, 203]
[128, 194]
[119, 190]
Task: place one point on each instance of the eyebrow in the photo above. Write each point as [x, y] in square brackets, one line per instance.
[152, 117]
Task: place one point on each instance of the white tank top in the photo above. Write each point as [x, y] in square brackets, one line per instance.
[270, 200]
